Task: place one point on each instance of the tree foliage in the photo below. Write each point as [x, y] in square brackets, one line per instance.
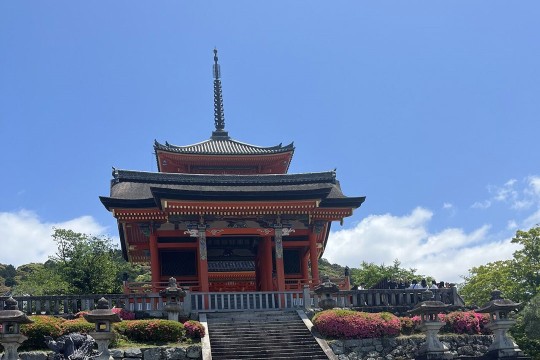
[518, 278]
[82, 264]
[527, 261]
[371, 273]
[91, 264]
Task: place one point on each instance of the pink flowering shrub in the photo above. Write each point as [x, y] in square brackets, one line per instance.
[152, 330]
[124, 314]
[194, 329]
[466, 322]
[409, 325]
[352, 324]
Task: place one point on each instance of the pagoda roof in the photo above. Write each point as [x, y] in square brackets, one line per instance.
[223, 146]
[139, 189]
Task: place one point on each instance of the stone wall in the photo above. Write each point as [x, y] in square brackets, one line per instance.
[157, 353]
[405, 347]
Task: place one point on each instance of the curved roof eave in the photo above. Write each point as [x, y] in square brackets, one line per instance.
[223, 147]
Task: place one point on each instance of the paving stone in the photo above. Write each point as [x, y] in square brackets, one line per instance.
[117, 353]
[133, 353]
[193, 352]
[153, 353]
[175, 353]
[33, 355]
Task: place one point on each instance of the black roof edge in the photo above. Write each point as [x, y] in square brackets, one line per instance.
[110, 203]
[353, 202]
[239, 180]
[174, 194]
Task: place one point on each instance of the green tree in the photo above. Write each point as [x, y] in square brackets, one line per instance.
[527, 330]
[527, 261]
[371, 273]
[483, 279]
[39, 279]
[518, 278]
[90, 264]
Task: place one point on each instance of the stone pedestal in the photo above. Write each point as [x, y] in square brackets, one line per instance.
[503, 346]
[11, 343]
[103, 339]
[433, 348]
[173, 311]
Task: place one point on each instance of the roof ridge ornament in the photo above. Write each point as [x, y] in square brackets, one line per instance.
[219, 116]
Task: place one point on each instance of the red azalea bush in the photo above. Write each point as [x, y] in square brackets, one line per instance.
[352, 324]
[153, 330]
[124, 314]
[76, 325]
[409, 325]
[466, 322]
[194, 329]
[42, 326]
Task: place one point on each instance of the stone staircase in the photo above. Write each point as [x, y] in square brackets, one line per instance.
[262, 335]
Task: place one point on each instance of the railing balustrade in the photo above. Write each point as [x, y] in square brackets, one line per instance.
[370, 300]
[395, 298]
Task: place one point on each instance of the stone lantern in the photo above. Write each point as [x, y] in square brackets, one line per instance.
[173, 294]
[103, 317]
[499, 323]
[10, 337]
[430, 326]
[327, 288]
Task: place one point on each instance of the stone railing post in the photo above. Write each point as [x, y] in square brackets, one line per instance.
[307, 297]
[187, 303]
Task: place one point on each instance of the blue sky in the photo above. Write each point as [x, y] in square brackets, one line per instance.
[430, 109]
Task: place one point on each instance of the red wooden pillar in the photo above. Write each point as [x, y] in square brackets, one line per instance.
[305, 268]
[261, 269]
[313, 256]
[268, 266]
[154, 261]
[280, 269]
[203, 260]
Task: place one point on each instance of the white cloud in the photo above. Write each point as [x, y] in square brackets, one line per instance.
[519, 195]
[481, 204]
[25, 238]
[532, 220]
[511, 225]
[447, 205]
[534, 184]
[446, 255]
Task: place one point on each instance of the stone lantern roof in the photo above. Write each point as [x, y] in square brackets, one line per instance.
[429, 307]
[102, 313]
[11, 313]
[497, 303]
[326, 287]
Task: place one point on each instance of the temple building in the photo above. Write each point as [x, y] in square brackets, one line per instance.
[224, 215]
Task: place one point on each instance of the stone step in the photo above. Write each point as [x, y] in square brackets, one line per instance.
[258, 328]
[261, 335]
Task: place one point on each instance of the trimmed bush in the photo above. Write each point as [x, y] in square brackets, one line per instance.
[466, 322]
[42, 326]
[153, 330]
[194, 329]
[77, 325]
[409, 325]
[124, 314]
[350, 324]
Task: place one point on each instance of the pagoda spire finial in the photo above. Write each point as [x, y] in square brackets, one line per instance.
[219, 116]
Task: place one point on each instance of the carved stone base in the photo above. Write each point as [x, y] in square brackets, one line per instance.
[103, 339]
[327, 303]
[433, 348]
[11, 343]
